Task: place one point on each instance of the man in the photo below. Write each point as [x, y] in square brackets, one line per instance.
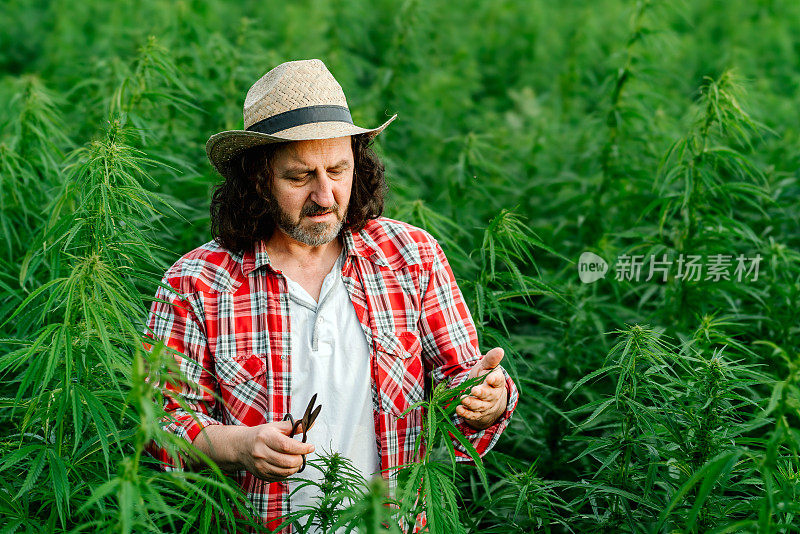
[307, 290]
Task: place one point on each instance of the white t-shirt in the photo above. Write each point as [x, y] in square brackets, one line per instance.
[331, 357]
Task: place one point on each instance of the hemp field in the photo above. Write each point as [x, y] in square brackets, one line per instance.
[662, 137]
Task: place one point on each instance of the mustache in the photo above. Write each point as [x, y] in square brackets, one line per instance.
[316, 209]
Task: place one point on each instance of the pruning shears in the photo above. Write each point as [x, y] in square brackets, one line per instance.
[308, 419]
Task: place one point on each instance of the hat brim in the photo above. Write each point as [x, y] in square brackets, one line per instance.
[223, 147]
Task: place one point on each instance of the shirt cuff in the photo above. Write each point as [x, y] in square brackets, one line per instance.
[484, 440]
[470, 432]
[186, 426]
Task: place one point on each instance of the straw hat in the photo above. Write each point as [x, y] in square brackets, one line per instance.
[295, 101]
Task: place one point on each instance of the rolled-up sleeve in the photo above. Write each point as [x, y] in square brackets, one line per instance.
[450, 345]
[189, 398]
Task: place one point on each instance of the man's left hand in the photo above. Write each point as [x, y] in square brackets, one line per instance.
[486, 401]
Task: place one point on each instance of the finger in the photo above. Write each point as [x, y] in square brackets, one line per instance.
[469, 415]
[286, 427]
[271, 473]
[288, 445]
[488, 394]
[483, 392]
[280, 442]
[475, 405]
[495, 379]
[282, 461]
[486, 363]
[492, 359]
[479, 392]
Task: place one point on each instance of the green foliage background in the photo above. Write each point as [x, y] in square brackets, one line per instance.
[528, 133]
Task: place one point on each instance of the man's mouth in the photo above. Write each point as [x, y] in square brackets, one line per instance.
[315, 211]
[320, 214]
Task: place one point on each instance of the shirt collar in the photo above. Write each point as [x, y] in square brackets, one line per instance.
[361, 244]
[255, 258]
[354, 243]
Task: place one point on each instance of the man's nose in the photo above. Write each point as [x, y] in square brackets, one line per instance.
[323, 190]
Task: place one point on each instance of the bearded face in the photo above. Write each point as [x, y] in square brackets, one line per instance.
[310, 189]
[307, 228]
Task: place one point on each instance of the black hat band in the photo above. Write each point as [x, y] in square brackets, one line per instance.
[300, 116]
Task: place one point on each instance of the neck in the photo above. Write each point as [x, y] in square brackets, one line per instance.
[282, 249]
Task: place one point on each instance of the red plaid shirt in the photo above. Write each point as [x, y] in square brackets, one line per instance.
[230, 314]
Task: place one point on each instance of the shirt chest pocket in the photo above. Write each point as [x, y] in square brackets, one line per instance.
[400, 372]
[242, 384]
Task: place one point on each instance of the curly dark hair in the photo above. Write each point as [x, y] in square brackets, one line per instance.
[240, 206]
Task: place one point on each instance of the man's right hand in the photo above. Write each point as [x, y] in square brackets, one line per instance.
[265, 450]
[270, 454]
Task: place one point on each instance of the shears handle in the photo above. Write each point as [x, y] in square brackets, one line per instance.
[293, 431]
